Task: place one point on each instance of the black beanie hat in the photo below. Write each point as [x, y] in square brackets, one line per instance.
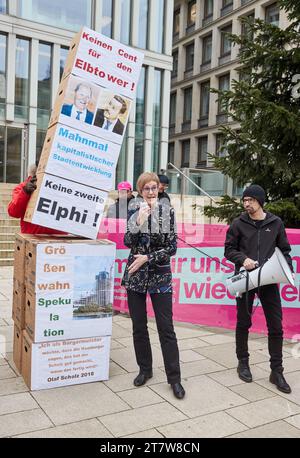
[257, 192]
[163, 179]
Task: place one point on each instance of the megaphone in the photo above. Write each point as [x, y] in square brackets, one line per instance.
[275, 270]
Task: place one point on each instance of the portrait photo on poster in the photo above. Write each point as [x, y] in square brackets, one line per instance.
[112, 112]
[80, 100]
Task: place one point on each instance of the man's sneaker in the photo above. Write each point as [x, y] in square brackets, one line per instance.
[278, 379]
[243, 370]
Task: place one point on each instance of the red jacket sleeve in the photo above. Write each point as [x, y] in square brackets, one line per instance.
[17, 207]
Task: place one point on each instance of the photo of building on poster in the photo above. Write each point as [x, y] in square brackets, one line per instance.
[93, 290]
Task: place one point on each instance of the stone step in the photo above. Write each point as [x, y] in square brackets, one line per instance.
[6, 254]
[7, 245]
[5, 195]
[5, 198]
[7, 237]
[3, 207]
[12, 222]
[7, 185]
[4, 215]
[7, 190]
[10, 229]
[6, 262]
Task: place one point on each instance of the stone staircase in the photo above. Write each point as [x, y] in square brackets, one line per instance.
[8, 226]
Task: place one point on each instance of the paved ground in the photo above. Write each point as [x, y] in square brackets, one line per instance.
[217, 403]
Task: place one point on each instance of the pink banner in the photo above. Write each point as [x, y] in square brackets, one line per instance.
[200, 295]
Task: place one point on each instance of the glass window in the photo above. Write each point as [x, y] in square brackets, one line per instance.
[125, 21]
[3, 6]
[172, 119]
[227, 7]
[171, 153]
[225, 41]
[208, 8]
[40, 138]
[272, 14]
[122, 161]
[207, 49]
[204, 99]
[107, 12]
[191, 19]
[189, 57]
[14, 155]
[143, 23]
[2, 154]
[224, 85]
[185, 159]
[71, 15]
[62, 61]
[220, 145]
[159, 25]
[202, 150]
[22, 78]
[176, 22]
[2, 74]
[175, 64]
[246, 30]
[187, 107]
[44, 85]
[156, 120]
[224, 82]
[139, 126]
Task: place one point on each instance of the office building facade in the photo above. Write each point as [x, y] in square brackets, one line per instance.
[204, 58]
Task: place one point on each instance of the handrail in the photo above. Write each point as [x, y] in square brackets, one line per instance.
[191, 181]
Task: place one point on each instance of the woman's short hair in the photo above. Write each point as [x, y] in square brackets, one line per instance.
[145, 178]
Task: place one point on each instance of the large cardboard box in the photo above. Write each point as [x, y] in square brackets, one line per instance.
[104, 61]
[17, 348]
[18, 307]
[19, 256]
[66, 206]
[70, 287]
[64, 362]
[80, 157]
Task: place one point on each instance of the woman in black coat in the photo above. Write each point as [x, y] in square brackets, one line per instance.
[151, 236]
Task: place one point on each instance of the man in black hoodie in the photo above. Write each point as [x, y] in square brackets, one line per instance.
[250, 241]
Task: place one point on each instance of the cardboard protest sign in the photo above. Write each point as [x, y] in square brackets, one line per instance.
[89, 120]
[67, 362]
[104, 61]
[79, 157]
[67, 206]
[69, 291]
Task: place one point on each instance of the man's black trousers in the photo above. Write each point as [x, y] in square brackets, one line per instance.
[270, 301]
[162, 306]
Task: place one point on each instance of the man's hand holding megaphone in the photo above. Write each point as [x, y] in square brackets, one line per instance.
[249, 264]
